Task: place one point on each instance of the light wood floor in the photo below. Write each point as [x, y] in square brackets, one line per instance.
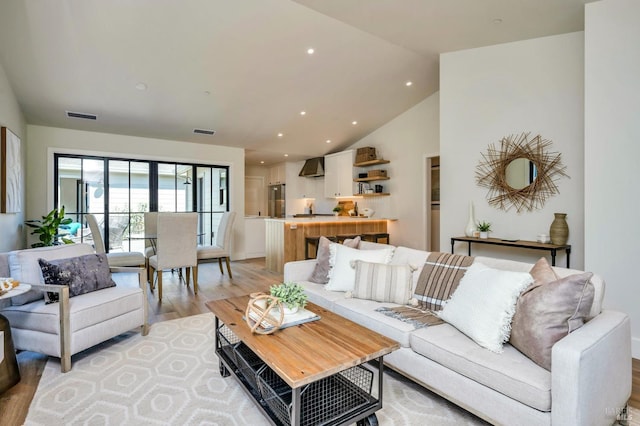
[179, 301]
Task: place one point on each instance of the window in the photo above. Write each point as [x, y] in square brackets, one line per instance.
[119, 191]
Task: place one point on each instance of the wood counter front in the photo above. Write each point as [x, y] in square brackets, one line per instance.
[285, 239]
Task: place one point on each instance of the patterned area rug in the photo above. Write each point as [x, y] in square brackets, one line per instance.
[171, 377]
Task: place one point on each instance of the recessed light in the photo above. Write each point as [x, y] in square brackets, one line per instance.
[280, 135]
[303, 112]
[328, 141]
[262, 162]
[310, 51]
[408, 83]
[141, 86]
[354, 122]
[286, 155]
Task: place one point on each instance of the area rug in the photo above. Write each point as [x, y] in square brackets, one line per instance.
[171, 377]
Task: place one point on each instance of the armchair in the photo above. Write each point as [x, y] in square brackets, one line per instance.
[74, 324]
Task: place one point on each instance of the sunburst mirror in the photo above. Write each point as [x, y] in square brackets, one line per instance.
[520, 173]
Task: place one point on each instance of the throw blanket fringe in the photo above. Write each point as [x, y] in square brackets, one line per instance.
[414, 316]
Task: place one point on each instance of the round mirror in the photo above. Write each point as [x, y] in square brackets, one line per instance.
[520, 173]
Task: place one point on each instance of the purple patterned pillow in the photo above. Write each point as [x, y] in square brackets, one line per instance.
[82, 274]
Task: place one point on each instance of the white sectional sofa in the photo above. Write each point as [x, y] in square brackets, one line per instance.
[589, 383]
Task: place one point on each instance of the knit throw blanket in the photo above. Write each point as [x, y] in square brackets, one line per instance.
[438, 280]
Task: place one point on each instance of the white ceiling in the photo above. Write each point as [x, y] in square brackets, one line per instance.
[241, 68]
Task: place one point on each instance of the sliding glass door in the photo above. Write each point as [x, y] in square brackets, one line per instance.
[118, 191]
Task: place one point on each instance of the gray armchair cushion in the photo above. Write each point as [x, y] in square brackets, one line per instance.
[82, 274]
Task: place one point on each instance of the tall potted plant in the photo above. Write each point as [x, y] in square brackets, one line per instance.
[47, 228]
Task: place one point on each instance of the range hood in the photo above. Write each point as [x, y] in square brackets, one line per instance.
[313, 167]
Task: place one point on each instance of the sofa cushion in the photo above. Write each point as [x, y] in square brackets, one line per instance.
[83, 274]
[484, 304]
[24, 266]
[364, 313]
[382, 282]
[548, 310]
[510, 373]
[342, 276]
[320, 273]
[413, 257]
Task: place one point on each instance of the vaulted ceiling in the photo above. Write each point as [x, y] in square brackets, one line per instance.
[162, 68]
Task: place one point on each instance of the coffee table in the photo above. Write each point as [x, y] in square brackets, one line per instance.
[308, 374]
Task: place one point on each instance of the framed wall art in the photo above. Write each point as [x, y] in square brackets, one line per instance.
[10, 172]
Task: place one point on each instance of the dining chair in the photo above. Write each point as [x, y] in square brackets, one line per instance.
[221, 249]
[150, 237]
[176, 247]
[124, 258]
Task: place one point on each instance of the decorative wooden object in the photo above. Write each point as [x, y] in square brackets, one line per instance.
[491, 172]
[257, 314]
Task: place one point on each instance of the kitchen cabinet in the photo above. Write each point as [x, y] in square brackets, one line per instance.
[372, 180]
[277, 174]
[338, 174]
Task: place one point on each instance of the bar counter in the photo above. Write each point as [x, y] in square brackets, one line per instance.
[285, 237]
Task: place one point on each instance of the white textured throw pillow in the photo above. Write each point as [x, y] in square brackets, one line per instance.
[484, 304]
[382, 282]
[342, 276]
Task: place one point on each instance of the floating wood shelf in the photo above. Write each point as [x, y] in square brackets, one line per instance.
[371, 163]
[371, 178]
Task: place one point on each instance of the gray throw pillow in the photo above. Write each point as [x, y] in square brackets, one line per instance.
[548, 310]
[82, 274]
[320, 273]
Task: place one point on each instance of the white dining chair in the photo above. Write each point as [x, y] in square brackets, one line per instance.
[176, 247]
[222, 248]
[150, 237]
[119, 258]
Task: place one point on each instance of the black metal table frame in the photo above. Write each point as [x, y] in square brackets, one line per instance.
[524, 244]
[365, 417]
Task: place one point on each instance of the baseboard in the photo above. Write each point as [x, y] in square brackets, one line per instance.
[635, 347]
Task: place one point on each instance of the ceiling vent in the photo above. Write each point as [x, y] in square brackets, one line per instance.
[81, 115]
[204, 132]
[313, 167]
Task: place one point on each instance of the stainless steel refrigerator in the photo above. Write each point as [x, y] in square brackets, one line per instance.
[277, 207]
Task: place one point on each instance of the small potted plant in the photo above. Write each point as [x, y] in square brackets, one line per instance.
[337, 210]
[291, 295]
[484, 228]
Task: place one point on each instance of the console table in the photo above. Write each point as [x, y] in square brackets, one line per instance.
[534, 245]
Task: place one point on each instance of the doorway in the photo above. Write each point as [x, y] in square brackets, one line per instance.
[432, 208]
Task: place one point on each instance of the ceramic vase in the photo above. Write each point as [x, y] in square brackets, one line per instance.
[559, 230]
[471, 225]
[289, 311]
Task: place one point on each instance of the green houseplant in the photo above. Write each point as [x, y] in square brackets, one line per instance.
[484, 228]
[337, 210]
[291, 295]
[47, 228]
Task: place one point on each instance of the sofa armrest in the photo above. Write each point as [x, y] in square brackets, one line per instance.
[299, 270]
[591, 372]
[142, 282]
[65, 321]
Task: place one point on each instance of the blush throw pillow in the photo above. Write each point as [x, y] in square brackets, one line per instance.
[320, 273]
[342, 276]
[82, 274]
[382, 282]
[484, 304]
[549, 310]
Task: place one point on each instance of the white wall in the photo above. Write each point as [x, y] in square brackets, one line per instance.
[45, 141]
[12, 118]
[405, 141]
[487, 93]
[612, 150]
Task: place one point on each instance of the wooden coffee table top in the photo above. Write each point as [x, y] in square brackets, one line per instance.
[305, 353]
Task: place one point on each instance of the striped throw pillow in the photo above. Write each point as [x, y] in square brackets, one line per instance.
[382, 282]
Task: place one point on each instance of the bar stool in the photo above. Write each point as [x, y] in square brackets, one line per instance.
[314, 241]
[375, 237]
[341, 237]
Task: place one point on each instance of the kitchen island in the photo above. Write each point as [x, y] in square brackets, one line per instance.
[285, 237]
